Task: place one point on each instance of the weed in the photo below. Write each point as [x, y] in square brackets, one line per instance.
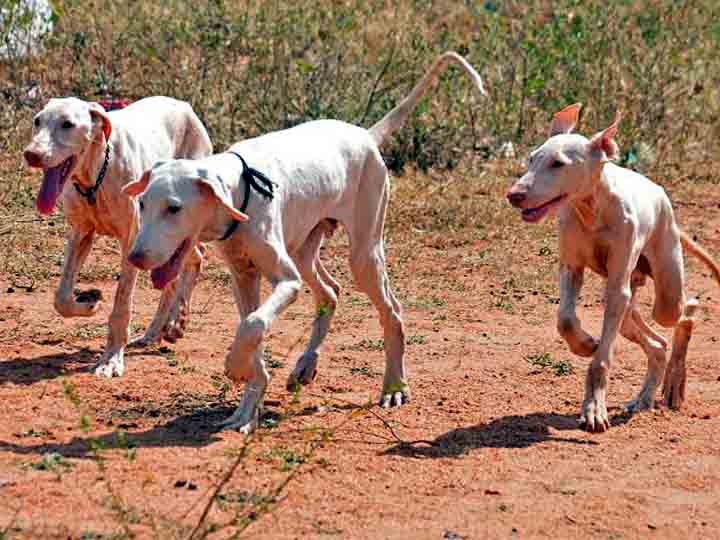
[52, 461]
[416, 340]
[169, 355]
[428, 302]
[288, 459]
[364, 370]
[365, 345]
[544, 360]
[127, 445]
[271, 362]
[563, 367]
[540, 360]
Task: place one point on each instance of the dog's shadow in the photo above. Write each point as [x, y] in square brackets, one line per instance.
[30, 370]
[195, 429]
[513, 431]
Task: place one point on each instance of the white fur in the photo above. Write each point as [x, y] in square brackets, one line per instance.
[139, 135]
[619, 224]
[326, 172]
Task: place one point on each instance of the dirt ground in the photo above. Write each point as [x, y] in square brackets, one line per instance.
[488, 448]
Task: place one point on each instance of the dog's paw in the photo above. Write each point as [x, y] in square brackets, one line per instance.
[674, 388]
[304, 373]
[394, 395]
[142, 342]
[88, 302]
[111, 365]
[585, 347]
[246, 417]
[91, 296]
[594, 416]
[239, 425]
[82, 304]
[178, 321]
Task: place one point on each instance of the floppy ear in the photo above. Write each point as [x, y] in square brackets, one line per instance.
[565, 120]
[215, 188]
[604, 140]
[98, 113]
[136, 188]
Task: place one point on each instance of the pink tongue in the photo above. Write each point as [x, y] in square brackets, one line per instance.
[162, 275]
[50, 189]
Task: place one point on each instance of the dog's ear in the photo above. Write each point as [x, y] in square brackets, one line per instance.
[97, 112]
[565, 121]
[214, 187]
[136, 188]
[605, 140]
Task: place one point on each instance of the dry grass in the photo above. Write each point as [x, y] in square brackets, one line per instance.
[250, 67]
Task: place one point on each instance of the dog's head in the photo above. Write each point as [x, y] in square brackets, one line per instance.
[62, 134]
[563, 168]
[176, 200]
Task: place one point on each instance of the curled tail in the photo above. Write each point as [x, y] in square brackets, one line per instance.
[396, 118]
[701, 254]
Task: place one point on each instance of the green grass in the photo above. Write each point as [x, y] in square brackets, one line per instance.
[545, 360]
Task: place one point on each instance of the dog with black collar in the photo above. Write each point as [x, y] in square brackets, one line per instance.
[87, 156]
[324, 172]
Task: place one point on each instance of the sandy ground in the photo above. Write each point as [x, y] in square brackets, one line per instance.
[488, 448]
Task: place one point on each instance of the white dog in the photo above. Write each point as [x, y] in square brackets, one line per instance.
[101, 152]
[320, 173]
[621, 225]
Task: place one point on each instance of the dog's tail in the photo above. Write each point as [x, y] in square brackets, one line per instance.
[701, 254]
[396, 118]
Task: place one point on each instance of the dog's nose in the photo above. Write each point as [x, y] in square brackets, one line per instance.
[137, 259]
[33, 159]
[516, 199]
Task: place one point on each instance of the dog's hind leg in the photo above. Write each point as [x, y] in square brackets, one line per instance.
[367, 260]
[655, 350]
[326, 297]
[675, 375]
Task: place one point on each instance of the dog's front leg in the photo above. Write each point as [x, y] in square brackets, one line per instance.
[112, 361]
[594, 415]
[579, 341]
[67, 303]
[245, 361]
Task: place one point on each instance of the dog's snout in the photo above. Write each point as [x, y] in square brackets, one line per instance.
[516, 198]
[33, 159]
[137, 258]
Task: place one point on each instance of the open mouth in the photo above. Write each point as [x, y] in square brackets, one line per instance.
[164, 274]
[533, 215]
[52, 185]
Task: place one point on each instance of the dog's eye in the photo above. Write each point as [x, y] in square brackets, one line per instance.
[557, 164]
[174, 209]
[67, 124]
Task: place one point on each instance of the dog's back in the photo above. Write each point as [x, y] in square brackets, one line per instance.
[165, 126]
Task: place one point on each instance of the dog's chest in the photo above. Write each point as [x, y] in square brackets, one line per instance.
[597, 255]
[106, 218]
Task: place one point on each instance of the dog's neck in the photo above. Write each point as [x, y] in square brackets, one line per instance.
[92, 161]
[217, 227]
[588, 208]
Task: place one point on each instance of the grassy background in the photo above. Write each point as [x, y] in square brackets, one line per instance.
[249, 67]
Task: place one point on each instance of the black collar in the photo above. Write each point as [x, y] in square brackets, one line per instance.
[265, 187]
[90, 192]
